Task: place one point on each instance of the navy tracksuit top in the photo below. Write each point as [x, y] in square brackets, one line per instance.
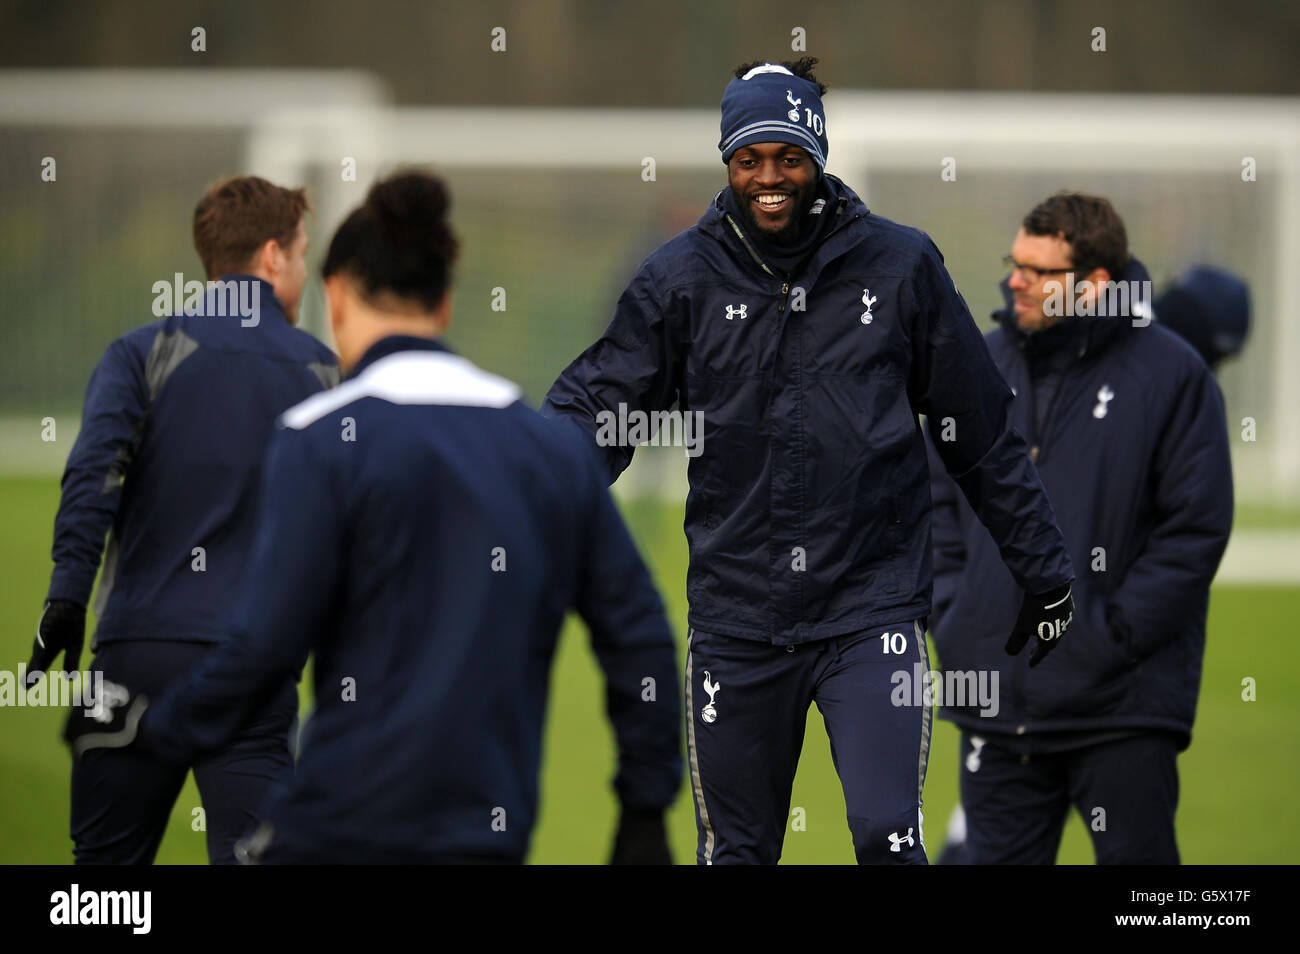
[423, 532]
[809, 511]
[168, 460]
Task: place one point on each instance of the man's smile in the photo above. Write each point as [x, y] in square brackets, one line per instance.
[772, 201]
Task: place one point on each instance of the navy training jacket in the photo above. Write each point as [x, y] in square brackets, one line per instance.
[423, 532]
[809, 513]
[168, 460]
[1134, 454]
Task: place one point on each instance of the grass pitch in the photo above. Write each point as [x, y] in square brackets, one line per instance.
[1237, 779]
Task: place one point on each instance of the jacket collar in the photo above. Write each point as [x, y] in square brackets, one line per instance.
[1082, 335]
[391, 345]
[268, 303]
[847, 208]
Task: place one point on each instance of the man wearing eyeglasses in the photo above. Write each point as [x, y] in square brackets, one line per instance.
[1127, 428]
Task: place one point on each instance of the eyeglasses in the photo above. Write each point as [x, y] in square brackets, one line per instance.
[1031, 274]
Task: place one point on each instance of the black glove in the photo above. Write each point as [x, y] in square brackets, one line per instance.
[62, 629]
[641, 839]
[112, 721]
[1046, 616]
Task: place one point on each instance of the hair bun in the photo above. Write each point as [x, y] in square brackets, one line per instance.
[407, 205]
[399, 240]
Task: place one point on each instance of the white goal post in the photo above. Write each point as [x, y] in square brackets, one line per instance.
[296, 126]
[873, 135]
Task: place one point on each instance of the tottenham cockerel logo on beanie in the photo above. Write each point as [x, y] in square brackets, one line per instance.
[771, 104]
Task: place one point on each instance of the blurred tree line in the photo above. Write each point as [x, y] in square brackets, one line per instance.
[680, 52]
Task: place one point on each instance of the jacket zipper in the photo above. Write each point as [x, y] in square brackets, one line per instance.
[740, 234]
[785, 290]
[1071, 371]
[1035, 451]
[1033, 412]
[785, 285]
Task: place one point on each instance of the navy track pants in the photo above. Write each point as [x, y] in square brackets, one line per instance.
[1125, 790]
[123, 798]
[747, 706]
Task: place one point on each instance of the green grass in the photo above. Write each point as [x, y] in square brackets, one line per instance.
[1265, 516]
[1240, 766]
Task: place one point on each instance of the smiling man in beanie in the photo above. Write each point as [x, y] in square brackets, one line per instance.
[809, 334]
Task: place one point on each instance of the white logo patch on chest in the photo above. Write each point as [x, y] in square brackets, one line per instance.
[1104, 397]
[869, 300]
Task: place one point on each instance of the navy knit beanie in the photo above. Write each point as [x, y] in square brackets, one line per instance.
[771, 104]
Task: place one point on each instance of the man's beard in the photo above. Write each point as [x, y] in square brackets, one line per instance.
[791, 232]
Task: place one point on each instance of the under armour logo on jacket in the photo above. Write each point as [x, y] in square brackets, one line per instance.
[736, 312]
[896, 843]
[1104, 397]
[869, 300]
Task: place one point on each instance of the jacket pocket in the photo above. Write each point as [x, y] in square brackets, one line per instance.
[701, 510]
[1114, 652]
[1089, 674]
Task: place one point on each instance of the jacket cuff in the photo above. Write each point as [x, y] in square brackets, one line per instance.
[64, 585]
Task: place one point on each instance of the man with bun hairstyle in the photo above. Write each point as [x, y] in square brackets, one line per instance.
[810, 334]
[423, 532]
[167, 463]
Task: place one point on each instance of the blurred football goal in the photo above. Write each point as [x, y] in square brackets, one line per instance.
[556, 207]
